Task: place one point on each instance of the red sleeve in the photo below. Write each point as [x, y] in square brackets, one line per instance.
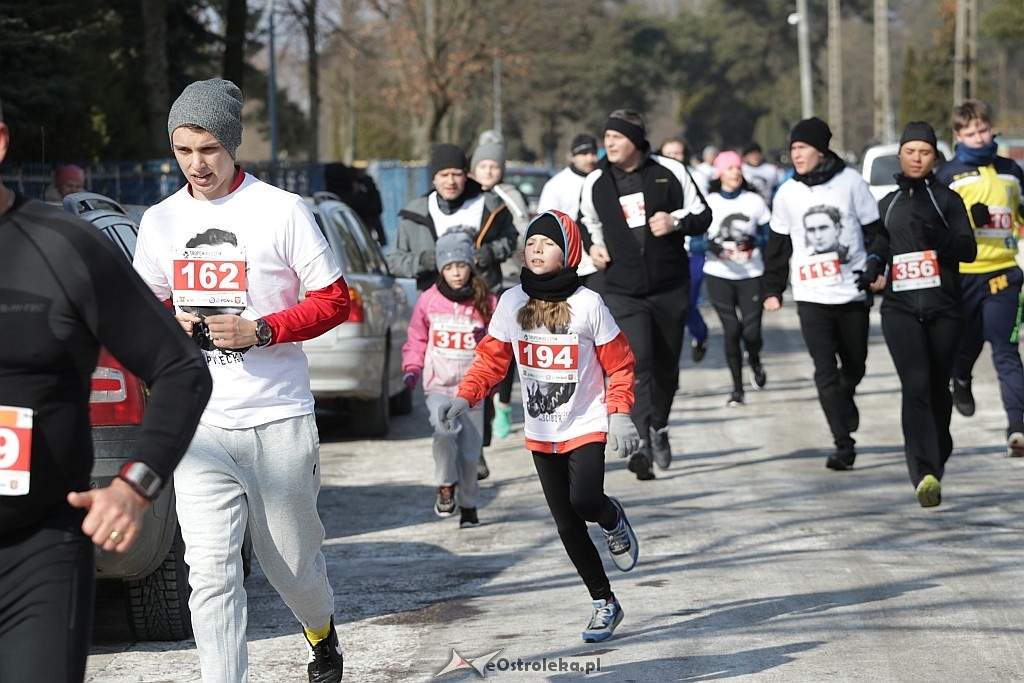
[488, 368]
[617, 360]
[321, 310]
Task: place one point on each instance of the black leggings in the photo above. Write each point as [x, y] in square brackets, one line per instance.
[47, 586]
[727, 296]
[923, 353]
[573, 486]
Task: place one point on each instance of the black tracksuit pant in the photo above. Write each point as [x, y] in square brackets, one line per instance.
[834, 334]
[654, 325]
[923, 353]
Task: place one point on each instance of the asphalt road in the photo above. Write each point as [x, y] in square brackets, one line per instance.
[756, 562]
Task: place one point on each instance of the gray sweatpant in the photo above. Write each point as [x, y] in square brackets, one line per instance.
[457, 452]
[265, 478]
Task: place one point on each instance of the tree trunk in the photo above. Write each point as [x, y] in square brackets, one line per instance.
[313, 74]
[155, 72]
[234, 42]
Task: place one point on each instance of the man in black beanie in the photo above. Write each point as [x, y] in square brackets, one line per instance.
[637, 209]
[454, 202]
[830, 288]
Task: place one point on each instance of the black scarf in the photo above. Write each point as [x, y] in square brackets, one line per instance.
[823, 172]
[460, 294]
[557, 286]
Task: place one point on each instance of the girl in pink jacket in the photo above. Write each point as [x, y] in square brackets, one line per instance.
[447, 321]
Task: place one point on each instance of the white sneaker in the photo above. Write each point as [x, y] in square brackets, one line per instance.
[607, 615]
[622, 543]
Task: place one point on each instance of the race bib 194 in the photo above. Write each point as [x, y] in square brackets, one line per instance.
[15, 450]
[552, 358]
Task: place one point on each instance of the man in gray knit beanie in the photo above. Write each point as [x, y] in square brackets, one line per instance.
[215, 106]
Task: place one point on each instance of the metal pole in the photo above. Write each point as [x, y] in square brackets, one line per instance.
[884, 130]
[835, 75]
[804, 47]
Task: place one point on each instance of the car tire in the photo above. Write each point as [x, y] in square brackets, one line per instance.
[158, 604]
[371, 418]
[401, 403]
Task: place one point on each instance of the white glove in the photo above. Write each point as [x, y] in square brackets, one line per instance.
[450, 410]
[623, 438]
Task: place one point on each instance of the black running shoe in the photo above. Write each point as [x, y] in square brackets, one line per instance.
[699, 350]
[963, 399]
[842, 459]
[640, 465]
[326, 662]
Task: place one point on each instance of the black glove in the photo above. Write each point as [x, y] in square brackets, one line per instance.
[428, 260]
[715, 247]
[484, 256]
[928, 234]
[980, 215]
[748, 243]
[867, 277]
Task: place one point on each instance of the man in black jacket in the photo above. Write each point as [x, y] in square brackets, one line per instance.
[637, 208]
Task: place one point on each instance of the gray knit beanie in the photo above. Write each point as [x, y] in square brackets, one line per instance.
[215, 106]
[491, 145]
[455, 246]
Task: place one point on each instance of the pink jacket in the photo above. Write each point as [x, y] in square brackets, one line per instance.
[441, 345]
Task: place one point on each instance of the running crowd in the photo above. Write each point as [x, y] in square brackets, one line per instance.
[586, 301]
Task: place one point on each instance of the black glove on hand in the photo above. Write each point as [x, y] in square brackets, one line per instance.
[715, 247]
[980, 215]
[428, 260]
[484, 256]
[867, 277]
[748, 243]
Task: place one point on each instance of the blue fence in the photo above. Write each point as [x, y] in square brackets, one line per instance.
[147, 182]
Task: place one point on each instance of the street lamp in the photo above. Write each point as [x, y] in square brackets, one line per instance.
[804, 49]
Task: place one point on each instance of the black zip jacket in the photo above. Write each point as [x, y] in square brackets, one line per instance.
[651, 264]
[925, 214]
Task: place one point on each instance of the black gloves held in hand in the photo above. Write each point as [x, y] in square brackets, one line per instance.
[980, 215]
[867, 277]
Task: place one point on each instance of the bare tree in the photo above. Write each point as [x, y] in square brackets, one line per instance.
[236, 15]
[155, 71]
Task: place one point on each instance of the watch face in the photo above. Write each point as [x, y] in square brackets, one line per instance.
[263, 332]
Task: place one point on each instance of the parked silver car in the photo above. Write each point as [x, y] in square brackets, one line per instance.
[154, 572]
[360, 361]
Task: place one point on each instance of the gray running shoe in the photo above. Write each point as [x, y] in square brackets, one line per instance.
[660, 447]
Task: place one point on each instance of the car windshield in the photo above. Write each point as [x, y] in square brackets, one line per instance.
[883, 170]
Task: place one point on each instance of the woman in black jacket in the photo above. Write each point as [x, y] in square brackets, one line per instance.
[925, 234]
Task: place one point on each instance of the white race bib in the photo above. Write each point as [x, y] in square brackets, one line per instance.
[634, 208]
[211, 275]
[15, 450]
[915, 270]
[820, 270]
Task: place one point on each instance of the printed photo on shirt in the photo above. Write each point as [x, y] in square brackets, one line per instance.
[823, 230]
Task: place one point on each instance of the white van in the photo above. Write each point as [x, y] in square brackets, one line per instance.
[881, 164]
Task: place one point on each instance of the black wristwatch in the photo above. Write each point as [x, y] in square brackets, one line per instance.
[676, 223]
[264, 335]
[140, 477]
